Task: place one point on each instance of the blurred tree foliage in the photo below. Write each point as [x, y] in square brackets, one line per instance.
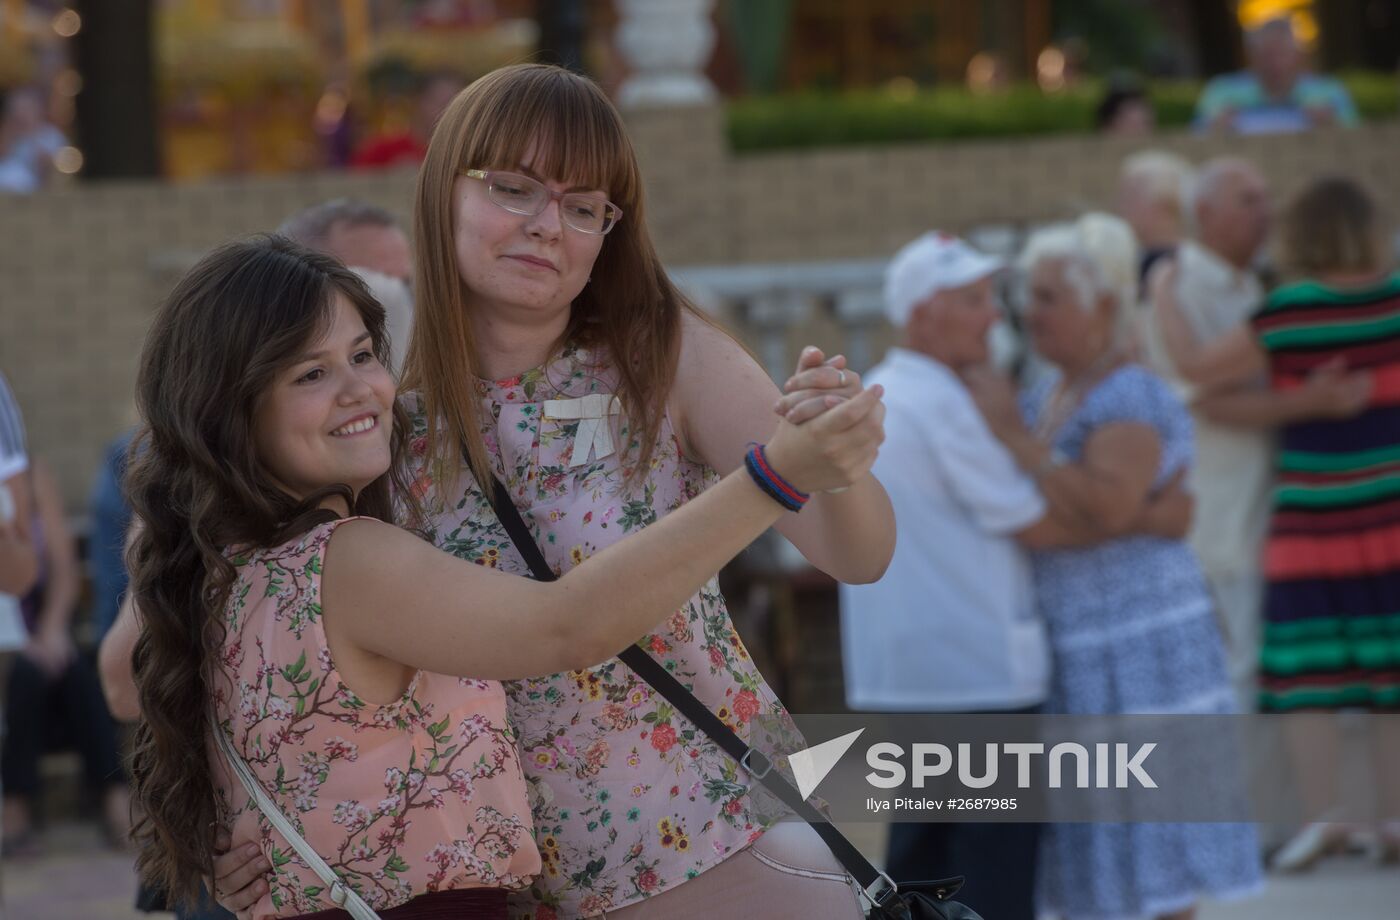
[760, 31]
[1115, 34]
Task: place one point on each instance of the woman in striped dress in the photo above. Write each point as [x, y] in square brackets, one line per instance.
[1332, 559]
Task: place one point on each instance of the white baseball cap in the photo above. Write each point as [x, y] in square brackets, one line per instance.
[931, 263]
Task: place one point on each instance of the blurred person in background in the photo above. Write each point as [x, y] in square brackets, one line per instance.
[1216, 289]
[359, 234]
[18, 562]
[1130, 620]
[28, 142]
[1152, 189]
[407, 147]
[111, 518]
[952, 626]
[1125, 111]
[53, 698]
[369, 240]
[1332, 559]
[19, 565]
[1275, 94]
[397, 300]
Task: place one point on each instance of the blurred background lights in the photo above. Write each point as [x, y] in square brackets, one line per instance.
[67, 23]
[68, 160]
[985, 72]
[1050, 69]
[331, 109]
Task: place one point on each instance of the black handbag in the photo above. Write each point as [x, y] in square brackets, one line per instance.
[915, 901]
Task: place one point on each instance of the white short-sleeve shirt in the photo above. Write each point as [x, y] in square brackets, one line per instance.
[952, 624]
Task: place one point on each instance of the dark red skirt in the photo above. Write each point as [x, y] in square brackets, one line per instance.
[458, 904]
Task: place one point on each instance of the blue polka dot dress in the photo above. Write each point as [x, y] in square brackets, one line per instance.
[1133, 630]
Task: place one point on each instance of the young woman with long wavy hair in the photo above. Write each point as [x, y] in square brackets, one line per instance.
[352, 664]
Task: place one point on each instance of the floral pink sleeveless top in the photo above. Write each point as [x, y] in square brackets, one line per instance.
[423, 794]
[629, 799]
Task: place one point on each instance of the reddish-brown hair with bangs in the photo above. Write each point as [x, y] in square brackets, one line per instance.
[630, 308]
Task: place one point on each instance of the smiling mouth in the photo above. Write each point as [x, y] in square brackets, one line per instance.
[359, 426]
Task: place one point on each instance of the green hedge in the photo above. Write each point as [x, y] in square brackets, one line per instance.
[878, 117]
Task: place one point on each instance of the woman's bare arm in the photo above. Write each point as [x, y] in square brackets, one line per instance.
[52, 643]
[390, 594]
[722, 401]
[114, 663]
[19, 564]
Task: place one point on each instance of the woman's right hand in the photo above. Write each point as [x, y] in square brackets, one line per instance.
[833, 450]
[239, 877]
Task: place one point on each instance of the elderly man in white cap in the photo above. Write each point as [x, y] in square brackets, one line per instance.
[952, 625]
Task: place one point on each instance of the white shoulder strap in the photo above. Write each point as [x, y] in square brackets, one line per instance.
[340, 893]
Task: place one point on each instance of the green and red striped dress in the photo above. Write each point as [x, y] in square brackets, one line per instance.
[1332, 606]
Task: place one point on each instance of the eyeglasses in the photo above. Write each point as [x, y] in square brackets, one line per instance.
[523, 195]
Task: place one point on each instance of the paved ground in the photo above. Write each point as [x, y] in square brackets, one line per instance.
[1344, 888]
[78, 879]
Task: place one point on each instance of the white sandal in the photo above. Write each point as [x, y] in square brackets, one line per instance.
[1305, 848]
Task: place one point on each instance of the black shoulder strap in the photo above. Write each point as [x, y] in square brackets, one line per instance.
[651, 671]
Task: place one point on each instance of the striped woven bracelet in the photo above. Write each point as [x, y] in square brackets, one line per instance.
[778, 488]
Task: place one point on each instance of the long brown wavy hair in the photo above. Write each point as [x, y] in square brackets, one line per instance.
[630, 307]
[197, 486]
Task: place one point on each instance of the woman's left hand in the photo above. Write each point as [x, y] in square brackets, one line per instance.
[817, 385]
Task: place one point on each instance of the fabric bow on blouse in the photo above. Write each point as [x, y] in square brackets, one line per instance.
[594, 433]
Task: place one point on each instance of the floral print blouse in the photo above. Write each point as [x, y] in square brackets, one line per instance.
[629, 798]
[422, 794]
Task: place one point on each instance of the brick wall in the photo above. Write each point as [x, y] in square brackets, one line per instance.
[83, 267]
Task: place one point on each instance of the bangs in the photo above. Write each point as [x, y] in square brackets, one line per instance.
[577, 136]
[293, 293]
[358, 291]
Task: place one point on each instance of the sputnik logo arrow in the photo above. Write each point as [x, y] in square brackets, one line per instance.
[811, 765]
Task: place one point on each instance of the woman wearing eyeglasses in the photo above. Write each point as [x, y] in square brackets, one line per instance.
[552, 351]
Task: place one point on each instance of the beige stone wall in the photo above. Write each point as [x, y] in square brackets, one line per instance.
[83, 267]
